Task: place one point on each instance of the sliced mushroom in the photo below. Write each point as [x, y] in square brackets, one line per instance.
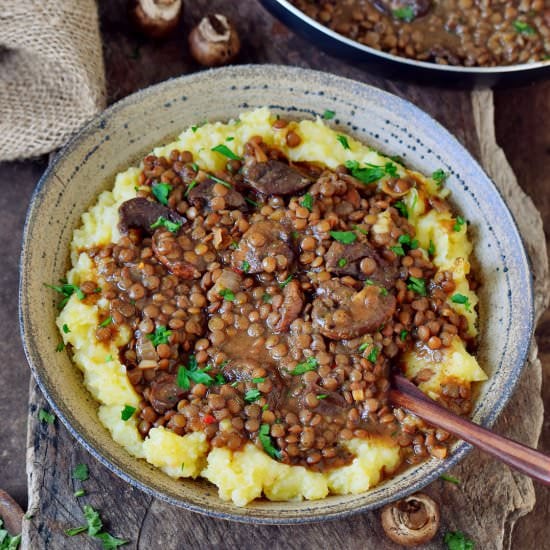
[274, 178]
[165, 393]
[169, 252]
[203, 193]
[411, 521]
[156, 18]
[293, 302]
[342, 313]
[396, 187]
[263, 240]
[141, 213]
[214, 41]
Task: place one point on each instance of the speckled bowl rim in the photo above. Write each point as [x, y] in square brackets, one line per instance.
[460, 450]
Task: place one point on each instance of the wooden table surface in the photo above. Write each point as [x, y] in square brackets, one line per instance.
[522, 123]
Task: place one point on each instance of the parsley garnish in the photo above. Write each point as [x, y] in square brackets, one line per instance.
[402, 208]
[81, 472]
[267, 442]
[398, 250]
[252, 395]
[439, 176]
[523, 28]
[245, 266]
[406, 13]
[368, 174]
[227, 294]
[383, 291]
[79, 493]
[229, 138]
[391, 169]
[127, 412]
[360, 229]
[225, 151]
[373, 355]
[66, 328]
[67, 290]
[346, 237]
[343, 140]
[455, 540]
[109, 358]
[417, 285]
[198, 376]
[363, 347]
[195, 166]
[310, 363]
[160, 336]
[286, 281]
[259, 380]
[173, 227]
[220, 181]
[450, 479]
[342, 262]
[266, 298]
[94, 527]
[461, 299]
[307, 202]
[407, 241]
[60, 346]
[431, 248]
[161, 192]
[197, 126]
[328, 114]
[45, 416]
[7, 542]
[460, 221]
[192, 185]
[253, 203]
[403, 335]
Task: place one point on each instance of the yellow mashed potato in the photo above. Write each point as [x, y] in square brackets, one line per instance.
[250, 473]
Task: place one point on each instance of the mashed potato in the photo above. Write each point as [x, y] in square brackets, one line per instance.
[250, 473]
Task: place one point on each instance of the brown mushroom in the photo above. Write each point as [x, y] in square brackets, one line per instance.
[156, 18]
[396, 187]
[411, 521]
[214, 41]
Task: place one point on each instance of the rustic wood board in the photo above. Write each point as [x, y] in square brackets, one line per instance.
[490, 498]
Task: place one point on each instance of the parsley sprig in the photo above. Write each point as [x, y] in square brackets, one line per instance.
[7, 542]
[94, 528]
[455, 540]
[160, 336]
[192, 373]
[225, 151]
[161, 191]
[310, 363]
[67, 290]
[267, 442]
[173, 227]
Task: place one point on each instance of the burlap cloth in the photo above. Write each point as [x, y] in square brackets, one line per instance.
[52, 78]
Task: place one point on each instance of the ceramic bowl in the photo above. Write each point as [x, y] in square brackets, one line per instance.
[129, 129]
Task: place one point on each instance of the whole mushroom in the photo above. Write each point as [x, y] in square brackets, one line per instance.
[156, 18]
[411, 521]
[214, 41]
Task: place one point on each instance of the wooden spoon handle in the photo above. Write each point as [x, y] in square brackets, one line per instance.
[524, 459]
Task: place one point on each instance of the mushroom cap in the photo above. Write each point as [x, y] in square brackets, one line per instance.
[156, 18]
[411, 521]
[214, 41]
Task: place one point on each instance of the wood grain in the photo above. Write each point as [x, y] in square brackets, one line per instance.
[487, 516]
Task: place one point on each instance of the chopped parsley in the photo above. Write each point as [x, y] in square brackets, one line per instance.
[523, 28]
[160, 336]
[234, 245]
[401, 207]
[286, 281]
[161, 192]
[403, 335]
[450, 479]
[455, 540]
[417, 285]
[322, 395]
[460, 221]
[173, 227]
[431, 248]
[343, 140]
[195, 166]
[220, 181]
[346, 237]
[360, 229]
[406, 13]
[367, 174]
[342, 262]
[259, 380]
[67, 290]
[398, 250]
[245, 266]
[461, 299]
[267, 442]
[407, 241]
[310, 363]
[105, 322]
[81, 472]
[229, 138]
[197, 126]
[66, 328]
[373, 355]
[227, 294]
[7, 542]
[307, 201]
[439, 176]
[193, 373]
[191, 186]
[391, 169]
[253, 203]
[127, 412]
[252, 395]
[266, 298]
[45, 416]
[94, 528]
[364, 346]
[60, 346]
[383, 291]
[79, 493]
[109, 358]
[328, 114]
[225, 151]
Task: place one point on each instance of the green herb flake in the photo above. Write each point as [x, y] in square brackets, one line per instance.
[342, 262]
[253, 203]
[343, 140]
[225, 151]
[198, 376]
[523, 28]
[252, 395]
[265, 407]
[234, 384]
[439, 176]
[266, 298]
[160, 336]
[307, 201]
[109, 358]
[127, 412]
[450, 479]
[267, 442]
[45, 416]
[401, 207]
[67, 290]
[367, 174]
[66, 328]
[197, 126]
[161, 192]
[369, 282]
[310, 363]
[431, 248]
[322, 395]
[94, 527]
[403, 335]
[398, 250]
[328, 114]
[229, 138]
[75, 531]
[182, 380]
[360, 229]
[227, 294]
[373, 355]
[455, 540]
[7, 542]
[81, 472]
[417, 285]
[219, 379]
[60, 346]
[79, 493]
[461, 299]
[234, 245]
[406, 13]
[109, 542]
[220, 181]
[173, 227]
[460, 221]
[245, 266]
[390, 169]
[259, 380]
[286, 281]
[383, 291]
[363, 347]
[346, 237]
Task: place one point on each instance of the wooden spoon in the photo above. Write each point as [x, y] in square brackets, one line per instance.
[536, 465]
